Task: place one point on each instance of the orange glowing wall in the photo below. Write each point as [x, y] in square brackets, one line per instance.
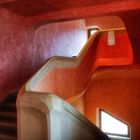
[118, 54]
[70, 83]
[119, 96]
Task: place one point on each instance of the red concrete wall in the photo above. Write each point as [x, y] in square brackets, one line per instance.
[24, 50]
[118, 54]
[119, 96]
[132, 21]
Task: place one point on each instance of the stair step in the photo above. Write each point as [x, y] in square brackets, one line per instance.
[11, 98]
[5, 136]
[8, 118]
[6, 124]
[8, 106]
[8, 115]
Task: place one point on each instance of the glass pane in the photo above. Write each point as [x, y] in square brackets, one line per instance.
[112, 125]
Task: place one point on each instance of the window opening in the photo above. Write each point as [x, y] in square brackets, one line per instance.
[112, 125]
[92, 31]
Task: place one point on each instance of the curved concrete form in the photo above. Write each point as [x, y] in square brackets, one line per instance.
[41, 114]
[79, 69]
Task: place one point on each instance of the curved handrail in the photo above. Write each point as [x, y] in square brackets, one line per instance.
[35, 108]
[59, 62]
[62, 62]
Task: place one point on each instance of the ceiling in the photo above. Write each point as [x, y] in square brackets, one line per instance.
[6, 1]
[36, 7]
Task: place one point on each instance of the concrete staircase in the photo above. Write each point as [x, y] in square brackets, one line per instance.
[8, 118]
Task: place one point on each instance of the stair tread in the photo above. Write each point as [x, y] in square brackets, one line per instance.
[11, 98]
[8, 114]
[7, 106]
[8, 118]
[4, 136]
[7, 123]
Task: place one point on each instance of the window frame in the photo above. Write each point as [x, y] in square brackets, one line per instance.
[112, 134]
[90, 29]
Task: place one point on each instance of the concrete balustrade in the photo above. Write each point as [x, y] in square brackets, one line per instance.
[44, 116]
[47, 117]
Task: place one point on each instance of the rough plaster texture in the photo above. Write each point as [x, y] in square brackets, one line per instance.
[23, 51]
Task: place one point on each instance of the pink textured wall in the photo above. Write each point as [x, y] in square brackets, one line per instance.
[64, 38]
[12, 51]
[23, 51]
